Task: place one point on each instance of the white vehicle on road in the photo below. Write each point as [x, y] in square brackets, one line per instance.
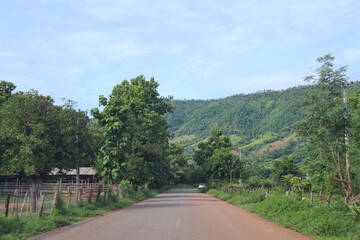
[202, 185]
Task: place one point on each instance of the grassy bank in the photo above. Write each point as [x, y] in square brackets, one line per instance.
[15, 228]
[318, 221]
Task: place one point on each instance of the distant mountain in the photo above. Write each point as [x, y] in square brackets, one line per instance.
[245, 117]
[261, 124]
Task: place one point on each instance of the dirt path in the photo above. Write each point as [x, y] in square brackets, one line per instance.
[176, 214]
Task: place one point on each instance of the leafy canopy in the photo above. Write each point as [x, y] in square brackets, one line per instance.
[135, 132]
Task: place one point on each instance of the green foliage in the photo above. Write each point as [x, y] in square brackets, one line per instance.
[136, 133]
[218, 163]
[318, 181]
[284, 167]
[239, 198]
[327, 122]
[254, 182]
[6, 89]
[178, 163]
[320, 221]
[354, 103]
[126, 188]
[36, 136]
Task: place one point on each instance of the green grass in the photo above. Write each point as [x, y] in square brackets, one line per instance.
[267, 137]
[317, 221]
[183, 138]
[15, 228]
[235, 139]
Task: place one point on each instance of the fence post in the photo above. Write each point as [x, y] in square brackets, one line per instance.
[80, 197]
[41, 207]
[27, 205]
[328, 199]
[266, 193]
[311, 197]
[98, 192]
[103, 189]
[90, 194]
[33, 194]
[69, 199]
[23, 205]
[55, 200]
[7, 205]
[14, 201]
[320, 197]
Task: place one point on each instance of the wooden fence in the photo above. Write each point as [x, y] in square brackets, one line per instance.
[18, 199]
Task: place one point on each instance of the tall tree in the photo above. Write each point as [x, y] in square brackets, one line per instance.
[327, 122]
[36, 135]
[177, 161]
[135, 131]
[6, 89]
[26, 131]
[215, 159]
[75, 136]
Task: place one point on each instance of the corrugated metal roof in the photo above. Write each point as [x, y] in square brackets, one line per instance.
[72, 172]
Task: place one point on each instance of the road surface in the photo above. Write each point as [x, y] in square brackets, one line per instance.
[177, 214]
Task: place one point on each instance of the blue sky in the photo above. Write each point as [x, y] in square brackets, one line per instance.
[194, 49]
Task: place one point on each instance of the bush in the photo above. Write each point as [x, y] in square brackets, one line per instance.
[254, 182]
[320, 221]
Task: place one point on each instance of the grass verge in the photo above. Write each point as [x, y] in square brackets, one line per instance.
[318, 221]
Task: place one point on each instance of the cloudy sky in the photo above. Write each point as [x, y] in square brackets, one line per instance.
[194, 49]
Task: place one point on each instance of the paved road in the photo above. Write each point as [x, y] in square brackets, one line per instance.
[177, 214]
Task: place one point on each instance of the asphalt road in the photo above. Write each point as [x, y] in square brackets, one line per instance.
[177, 214]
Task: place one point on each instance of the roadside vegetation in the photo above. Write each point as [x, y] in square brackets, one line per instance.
[310, 185]
[12, 228]
[319, 221]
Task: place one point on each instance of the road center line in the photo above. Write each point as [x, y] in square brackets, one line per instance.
[178, 223]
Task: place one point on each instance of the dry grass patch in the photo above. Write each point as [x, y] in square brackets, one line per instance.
[278, 144]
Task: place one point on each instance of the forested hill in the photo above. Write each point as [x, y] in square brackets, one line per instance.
[258, 121]
[243, 116]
